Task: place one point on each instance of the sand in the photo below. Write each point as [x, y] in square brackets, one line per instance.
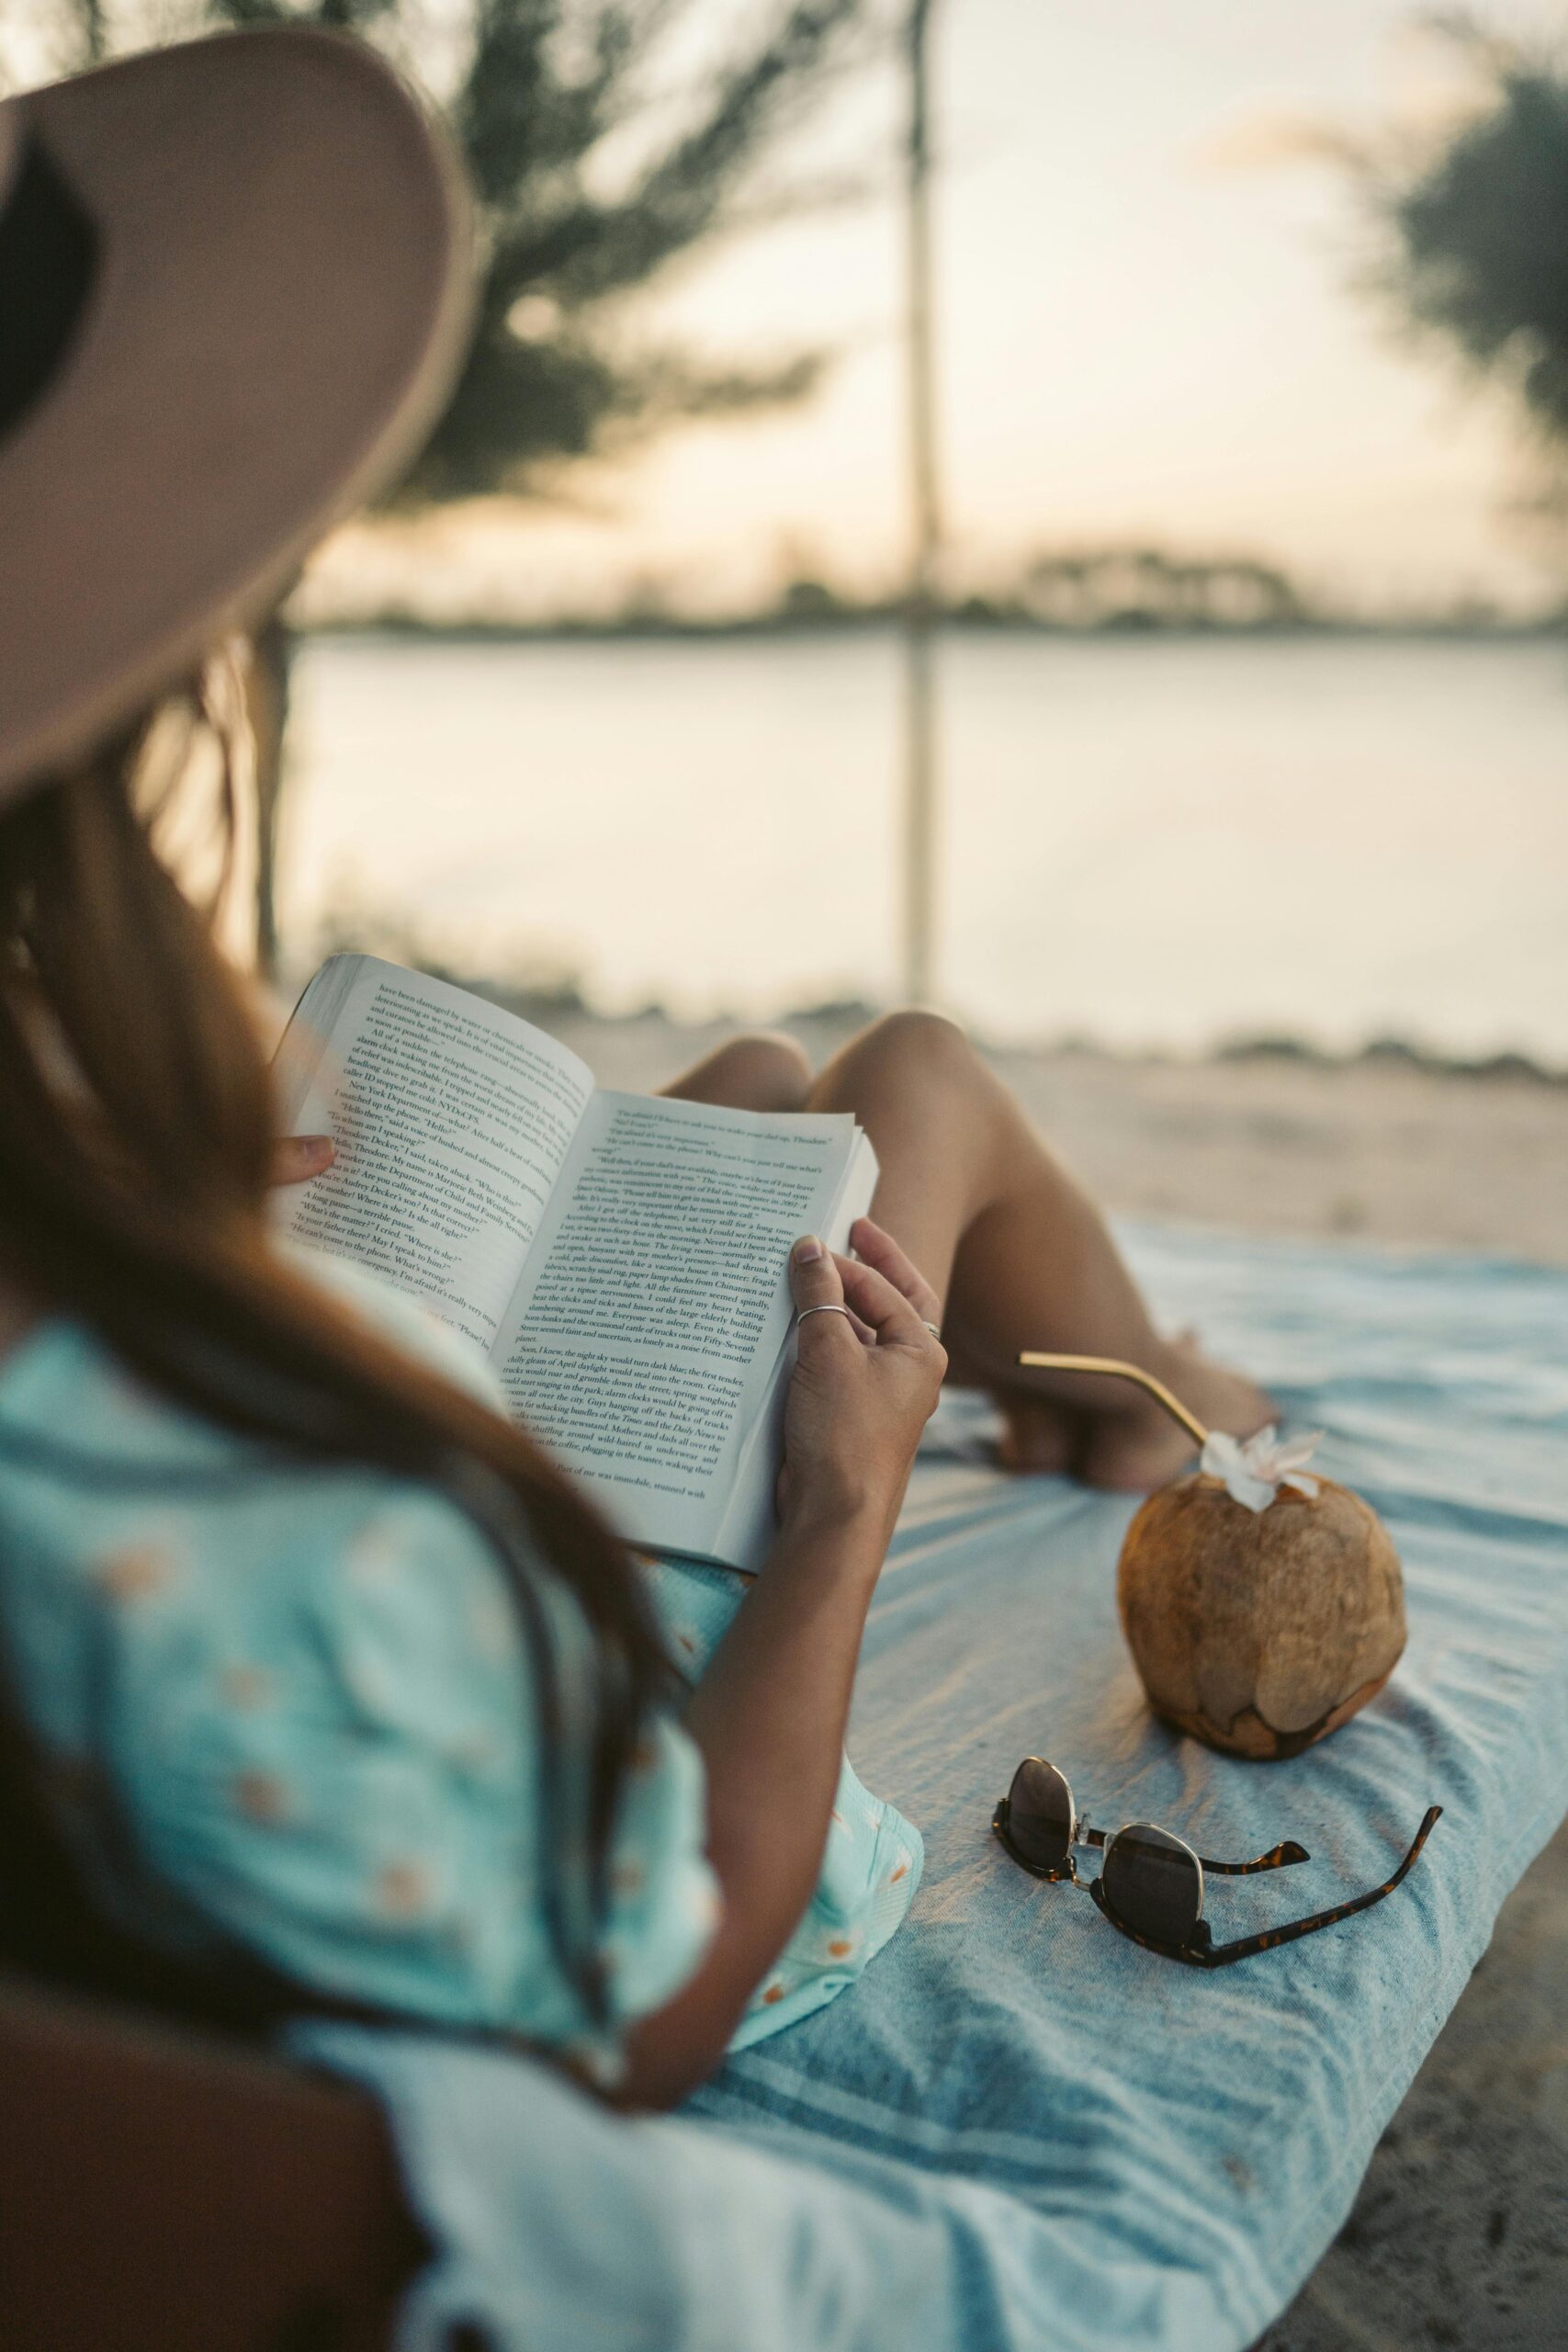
[1460, 2234]
[1385, 1148]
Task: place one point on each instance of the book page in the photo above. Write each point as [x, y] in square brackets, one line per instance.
[452, 1121]
[652, 1312]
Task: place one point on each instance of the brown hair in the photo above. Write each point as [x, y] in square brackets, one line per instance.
[136, 1127]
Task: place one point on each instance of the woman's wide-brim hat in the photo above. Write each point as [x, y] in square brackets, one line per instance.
[233, 292]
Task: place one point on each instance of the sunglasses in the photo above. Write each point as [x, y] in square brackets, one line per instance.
[1151, 1883]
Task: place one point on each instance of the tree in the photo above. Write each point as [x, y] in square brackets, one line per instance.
[1145, 587]
[1480, 232]
[590, 179]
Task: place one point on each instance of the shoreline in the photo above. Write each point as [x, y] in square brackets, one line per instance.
[1393, 1146]
[409, 626]
[546, 1003]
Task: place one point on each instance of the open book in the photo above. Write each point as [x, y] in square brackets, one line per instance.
[620, 1259]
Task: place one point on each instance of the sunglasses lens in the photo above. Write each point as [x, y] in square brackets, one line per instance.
[1040, 1815]
[1153, 1884]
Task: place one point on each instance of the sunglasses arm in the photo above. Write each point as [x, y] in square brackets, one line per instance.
[1220, 1955]
[1277, 1858]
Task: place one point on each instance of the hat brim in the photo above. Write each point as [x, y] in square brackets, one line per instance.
[278, 310]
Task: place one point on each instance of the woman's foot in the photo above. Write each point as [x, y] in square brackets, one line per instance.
[1038, 1433]
[1134, 1451]
[1135, 1445]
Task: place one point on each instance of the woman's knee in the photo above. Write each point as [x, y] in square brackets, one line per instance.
[912, 1045]
[760, 1071]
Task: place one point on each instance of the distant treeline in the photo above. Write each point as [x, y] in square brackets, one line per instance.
[557, 997]
[1082, 590]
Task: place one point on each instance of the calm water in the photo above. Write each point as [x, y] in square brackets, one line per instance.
[1152, 843]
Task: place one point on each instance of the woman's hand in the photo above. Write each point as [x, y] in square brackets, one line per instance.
[865, 1383]
[297, 1158]
[768, 1713]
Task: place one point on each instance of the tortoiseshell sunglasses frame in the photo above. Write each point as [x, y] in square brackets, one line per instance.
[1201, 1952]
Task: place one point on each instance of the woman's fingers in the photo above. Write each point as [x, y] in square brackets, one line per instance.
[874, 1307]
[815, 1281]
[877, 1301]
[877, 1248]
[295, 1157]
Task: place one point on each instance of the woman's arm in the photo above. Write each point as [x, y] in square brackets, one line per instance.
[769, 1715]
[770, 1712]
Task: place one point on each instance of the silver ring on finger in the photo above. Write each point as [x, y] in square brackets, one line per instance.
[935, 1331]
[830, 1306]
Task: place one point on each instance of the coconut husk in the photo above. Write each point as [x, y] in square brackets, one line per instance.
[1260, 1632]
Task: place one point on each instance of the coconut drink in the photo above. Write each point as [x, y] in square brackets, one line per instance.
[1263, 1604]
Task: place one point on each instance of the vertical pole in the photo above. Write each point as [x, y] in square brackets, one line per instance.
[925, 519]
[266, 709]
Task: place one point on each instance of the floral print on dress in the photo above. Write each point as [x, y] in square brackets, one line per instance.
[871, 1864]
[295, 1707]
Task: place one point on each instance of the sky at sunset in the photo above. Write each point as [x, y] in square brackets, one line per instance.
[1149, 324]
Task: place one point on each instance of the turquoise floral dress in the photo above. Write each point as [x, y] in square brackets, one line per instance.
[293, 1706]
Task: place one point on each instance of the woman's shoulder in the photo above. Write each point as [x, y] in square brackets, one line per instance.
[65, 1394]
[219, 1626]
[106, 1485]
[311, 1693]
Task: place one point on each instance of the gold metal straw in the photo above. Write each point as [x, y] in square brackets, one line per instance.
[1118, 1371]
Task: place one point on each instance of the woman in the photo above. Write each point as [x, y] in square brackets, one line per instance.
[321, 1686]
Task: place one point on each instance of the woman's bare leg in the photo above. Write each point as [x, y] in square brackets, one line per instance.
[760, 1071]
[1021, 1258]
